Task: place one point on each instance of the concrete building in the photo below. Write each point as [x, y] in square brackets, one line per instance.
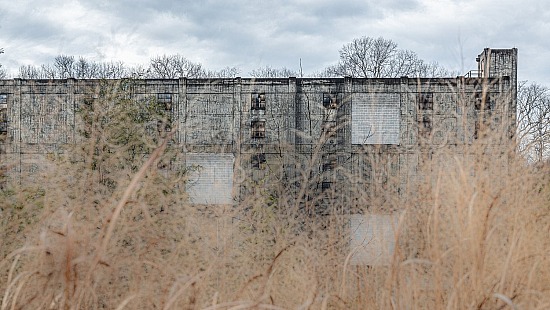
[331, 136]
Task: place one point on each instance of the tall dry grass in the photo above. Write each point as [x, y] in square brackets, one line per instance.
[472, 233]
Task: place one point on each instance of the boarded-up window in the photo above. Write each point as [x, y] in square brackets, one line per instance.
[210, 178]
[375, 119]
[372, 238]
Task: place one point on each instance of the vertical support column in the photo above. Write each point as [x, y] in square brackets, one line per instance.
[239, 174]
[407, 122]
[180, 111]
[290, 124]
[344, 114]
[291, 112]
[237, 115]
[346, 110]
[15, 128]
[71, 107]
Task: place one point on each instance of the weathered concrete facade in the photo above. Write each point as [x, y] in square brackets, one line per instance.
[351, 130]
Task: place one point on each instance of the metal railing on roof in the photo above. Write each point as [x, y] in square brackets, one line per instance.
[473, 74]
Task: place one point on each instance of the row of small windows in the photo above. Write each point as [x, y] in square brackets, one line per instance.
[258, 101]
[482, 101]
[425, 101]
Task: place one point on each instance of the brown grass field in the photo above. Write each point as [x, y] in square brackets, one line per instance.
[472, 234]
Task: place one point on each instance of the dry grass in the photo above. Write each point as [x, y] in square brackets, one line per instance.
[473, 233]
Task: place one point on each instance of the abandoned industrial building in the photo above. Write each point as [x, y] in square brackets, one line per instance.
[331, 135]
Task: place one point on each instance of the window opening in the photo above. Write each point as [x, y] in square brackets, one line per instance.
[258, 160]
[330, 101]
[425, 127]
[425, 101]
[258, 102]
[483, 101]
[165, 99]
[258, 129]
[3, 101]
[326, 185]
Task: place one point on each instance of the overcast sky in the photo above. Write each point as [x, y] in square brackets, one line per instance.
[250, 34]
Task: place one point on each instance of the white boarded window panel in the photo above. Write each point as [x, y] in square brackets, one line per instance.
[372, 238]
[375, 118]
[210, 178]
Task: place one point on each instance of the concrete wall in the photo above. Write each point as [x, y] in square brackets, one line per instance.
[371, 129]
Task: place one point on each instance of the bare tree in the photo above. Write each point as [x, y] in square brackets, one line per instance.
[174, 66]
[380, 58]
[30, 72]
[270, 72]
[64, 66]
[162, 67]
[227, 72]
[111, 70]
[533, 116]
[49, 72]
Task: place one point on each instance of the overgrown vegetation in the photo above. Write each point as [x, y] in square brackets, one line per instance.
[106, 224]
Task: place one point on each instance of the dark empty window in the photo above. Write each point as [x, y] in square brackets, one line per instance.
[258, 129]
[483, 101]
[165, 99]
[258, 160]
[425, 126]
[425, 101]
[3, 100]
[258, 102]
[329, 164]
[3, 120]
[164, 126]
[330, 100]
[325, 185]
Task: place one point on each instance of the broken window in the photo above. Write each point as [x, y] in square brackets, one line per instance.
[330, 100]
[258, 102]
[258, 129]
[258, 160]
[166, 99]
[425, 101]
